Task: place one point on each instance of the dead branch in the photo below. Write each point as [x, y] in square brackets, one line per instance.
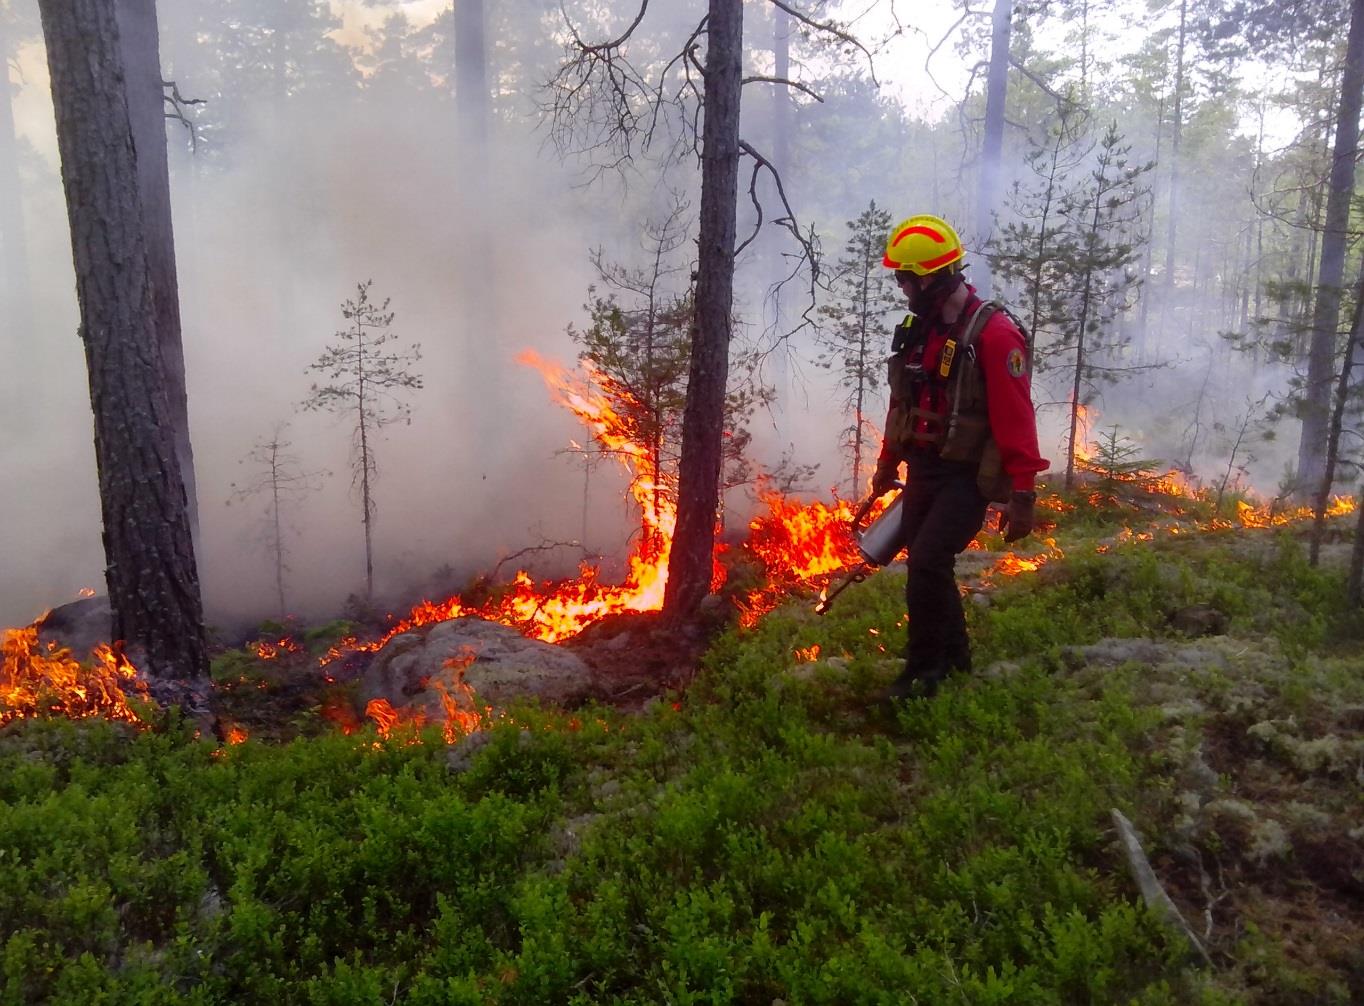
[544, 546]
[809, 248]
[797, 85]
[830, 28]
[928, 60]
[178, 103]
[614, 43]
[1040, 84]
[1152, 892]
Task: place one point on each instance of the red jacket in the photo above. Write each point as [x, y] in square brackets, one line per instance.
[1002, 356]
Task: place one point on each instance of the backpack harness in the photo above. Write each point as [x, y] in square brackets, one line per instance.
[962, 433]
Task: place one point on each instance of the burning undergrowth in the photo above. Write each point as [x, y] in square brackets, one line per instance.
[47, 679]
[791, 547]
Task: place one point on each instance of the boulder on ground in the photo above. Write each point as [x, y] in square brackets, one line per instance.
[79, 626]
[499, 664]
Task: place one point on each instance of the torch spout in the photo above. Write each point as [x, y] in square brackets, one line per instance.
[856, 576]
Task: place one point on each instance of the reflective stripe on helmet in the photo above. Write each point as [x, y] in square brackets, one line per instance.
[941, 260]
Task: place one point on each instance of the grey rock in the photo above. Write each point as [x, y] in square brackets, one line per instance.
[1200, 620]
[79, 626]
[461, 755]
[495, 661]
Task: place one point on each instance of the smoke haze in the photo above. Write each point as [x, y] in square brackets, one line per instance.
[482, 257]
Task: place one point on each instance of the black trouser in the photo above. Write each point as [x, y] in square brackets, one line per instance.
[943, 510]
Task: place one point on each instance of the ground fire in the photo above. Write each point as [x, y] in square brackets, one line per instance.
[798, 546]
[48, 680]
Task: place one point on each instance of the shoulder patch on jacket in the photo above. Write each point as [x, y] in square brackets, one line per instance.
[1015, 363]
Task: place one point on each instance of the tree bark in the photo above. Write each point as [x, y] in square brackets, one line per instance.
[1176, 135]
[1326, 310]
[1337, 424]
[151, 575]
[471, 71]
[992, 144]
[1354, 583]
[142, 65]
[691, 558]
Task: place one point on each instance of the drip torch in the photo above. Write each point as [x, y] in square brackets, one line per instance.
[878, 544]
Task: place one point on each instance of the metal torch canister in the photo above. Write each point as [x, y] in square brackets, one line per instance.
[879, 544]
[881, 540]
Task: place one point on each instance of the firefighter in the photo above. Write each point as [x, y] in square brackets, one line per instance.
[961, 420]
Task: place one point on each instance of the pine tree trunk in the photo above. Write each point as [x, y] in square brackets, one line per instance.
[1148, 252]
[142, 64]
[1326, 311]
[1076, 379]
[278, 529]
[362, 428]
[1337, 424]
[1259, 283]
[863, 340]
[471, 71]
[992, 144]
[1354, 584]
[690, 561]
[151, 575]
[1177, 131]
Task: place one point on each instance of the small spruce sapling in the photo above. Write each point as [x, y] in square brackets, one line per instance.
[1117, 461]
[364, 382]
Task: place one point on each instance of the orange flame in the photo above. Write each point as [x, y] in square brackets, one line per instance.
[800, 542]
[462, 715]
[553, 611]
[1249, 515]
[267, 650]
[1083, 422]
[1013, 564]
[49, 681]
[807, 654]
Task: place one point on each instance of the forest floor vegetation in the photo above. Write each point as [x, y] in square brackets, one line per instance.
[758, 832]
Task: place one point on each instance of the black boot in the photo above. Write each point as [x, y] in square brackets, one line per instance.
[914, 684]
[959, 656]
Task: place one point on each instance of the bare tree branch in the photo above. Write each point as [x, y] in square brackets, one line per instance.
[615, 43]
[178, 103]
[783, 80]
[808, 243]
[928, 60]
[1042, 85]
[829, 28]
[757, 205]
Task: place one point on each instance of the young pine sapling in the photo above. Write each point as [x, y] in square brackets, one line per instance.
[364, 383]
[864, 294]
[279, 477]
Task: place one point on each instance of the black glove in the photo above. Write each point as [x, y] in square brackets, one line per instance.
[886, 475]
[1017, 520]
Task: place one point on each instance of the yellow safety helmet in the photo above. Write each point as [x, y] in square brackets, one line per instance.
[922, 245]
